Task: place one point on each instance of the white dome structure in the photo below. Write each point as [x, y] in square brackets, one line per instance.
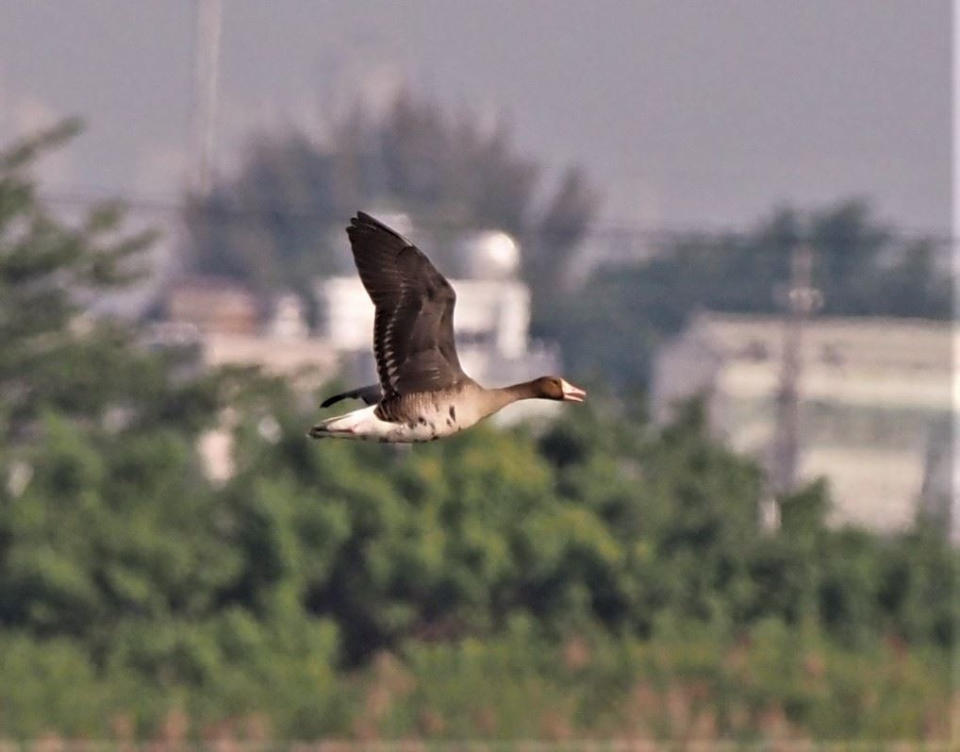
[490, 254]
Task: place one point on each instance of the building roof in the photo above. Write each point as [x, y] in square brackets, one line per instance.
[861, 361]
[874, 395]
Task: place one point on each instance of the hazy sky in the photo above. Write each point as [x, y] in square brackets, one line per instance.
[683, 112]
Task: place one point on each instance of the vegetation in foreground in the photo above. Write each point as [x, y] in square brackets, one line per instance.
[594, 578]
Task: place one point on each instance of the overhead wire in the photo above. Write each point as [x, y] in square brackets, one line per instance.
[212, 207]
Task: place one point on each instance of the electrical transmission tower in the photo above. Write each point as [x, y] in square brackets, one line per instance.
[206, 83]
[802, 300]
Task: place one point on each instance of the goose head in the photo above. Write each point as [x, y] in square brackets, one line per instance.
[555, 388]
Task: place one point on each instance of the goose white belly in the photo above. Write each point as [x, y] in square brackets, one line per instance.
[364, 424]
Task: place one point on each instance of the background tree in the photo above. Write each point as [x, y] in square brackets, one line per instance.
[51, 357]
[862, 266]
[96, 432]
[280, 222]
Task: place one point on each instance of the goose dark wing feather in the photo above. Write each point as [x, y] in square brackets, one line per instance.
[370, 395]
[413, 340]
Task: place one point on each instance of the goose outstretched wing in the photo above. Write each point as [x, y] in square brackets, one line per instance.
[413, 326]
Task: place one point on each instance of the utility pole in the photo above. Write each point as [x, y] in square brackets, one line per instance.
[954, 509]
[802, 300]
[206, 84]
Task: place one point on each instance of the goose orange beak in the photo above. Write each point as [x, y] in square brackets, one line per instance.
[572, 393]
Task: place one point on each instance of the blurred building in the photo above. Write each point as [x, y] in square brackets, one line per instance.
[228, 325]
[492, 316]
[212, 304]
[220, 322]
[875, 404]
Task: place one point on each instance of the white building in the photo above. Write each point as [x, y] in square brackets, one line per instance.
[228, 325]
[875, 403]
[494, 314]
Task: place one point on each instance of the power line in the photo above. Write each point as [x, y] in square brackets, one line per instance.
[224, 211]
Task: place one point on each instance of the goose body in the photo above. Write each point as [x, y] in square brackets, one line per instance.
[420, 417]
[423, 393]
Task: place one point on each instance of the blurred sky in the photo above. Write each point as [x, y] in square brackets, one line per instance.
[685, 112]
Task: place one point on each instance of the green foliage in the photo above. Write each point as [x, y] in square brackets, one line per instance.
[47, 271]
[687, 683]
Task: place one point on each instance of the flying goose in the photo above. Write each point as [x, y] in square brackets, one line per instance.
[423, 393]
